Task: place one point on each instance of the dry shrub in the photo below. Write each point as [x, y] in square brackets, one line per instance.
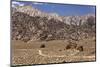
[42, 46]
[80, 48]
[64, 61]
[68, 46]
[71, 45]
[60, 50]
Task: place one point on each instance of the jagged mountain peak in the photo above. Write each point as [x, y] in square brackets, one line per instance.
[31, 11]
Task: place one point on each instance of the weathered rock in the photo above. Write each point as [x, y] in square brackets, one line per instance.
[29, 23]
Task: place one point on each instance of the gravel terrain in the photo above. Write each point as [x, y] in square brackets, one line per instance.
[53, 52]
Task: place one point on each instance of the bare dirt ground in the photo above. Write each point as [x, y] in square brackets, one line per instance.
[53, 52]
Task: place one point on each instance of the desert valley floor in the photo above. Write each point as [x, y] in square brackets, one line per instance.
[53, 52]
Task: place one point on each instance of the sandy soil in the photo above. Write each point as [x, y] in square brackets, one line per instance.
[53, 52]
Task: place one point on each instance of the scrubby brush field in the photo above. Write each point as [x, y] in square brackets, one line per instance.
[53, 52]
